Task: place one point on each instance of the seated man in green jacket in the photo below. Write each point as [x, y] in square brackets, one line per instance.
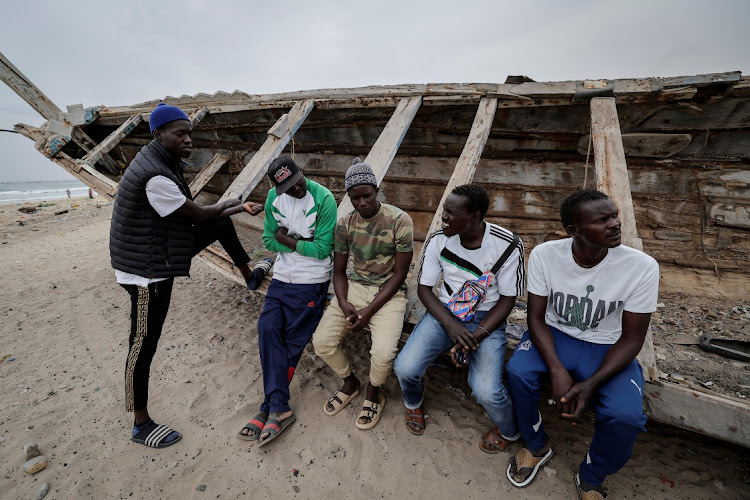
[299, 223]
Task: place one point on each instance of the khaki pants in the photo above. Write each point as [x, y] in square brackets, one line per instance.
[385, 327]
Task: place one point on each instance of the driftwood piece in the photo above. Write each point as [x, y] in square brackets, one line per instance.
[612, 178]
[208, 172]
[382, 152]
[463, 173]
[270, 150]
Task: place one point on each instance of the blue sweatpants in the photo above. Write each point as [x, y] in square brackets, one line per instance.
[291, 313]
[618, 402]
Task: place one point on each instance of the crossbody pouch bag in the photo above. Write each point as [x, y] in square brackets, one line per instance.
[465, 302]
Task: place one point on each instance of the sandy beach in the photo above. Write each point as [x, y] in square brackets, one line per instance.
[65, 323]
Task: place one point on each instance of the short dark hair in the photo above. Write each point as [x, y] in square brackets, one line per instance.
[477, 199]
[571, 204]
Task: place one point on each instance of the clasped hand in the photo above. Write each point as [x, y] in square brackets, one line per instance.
[571, 397]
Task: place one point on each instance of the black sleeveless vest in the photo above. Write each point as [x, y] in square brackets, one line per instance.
[140, 241]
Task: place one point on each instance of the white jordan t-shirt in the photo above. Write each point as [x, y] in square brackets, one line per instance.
[165, 197]
[587, 303]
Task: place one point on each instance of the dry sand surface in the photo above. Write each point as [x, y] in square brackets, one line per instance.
[65, 321]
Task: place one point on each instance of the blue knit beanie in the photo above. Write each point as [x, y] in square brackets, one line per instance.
[164, 114]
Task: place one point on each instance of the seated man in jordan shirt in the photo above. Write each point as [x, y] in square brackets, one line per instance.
[590, 303]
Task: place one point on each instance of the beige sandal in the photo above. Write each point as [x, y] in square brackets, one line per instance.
[526, 465]
[339, 400]
[372, 411]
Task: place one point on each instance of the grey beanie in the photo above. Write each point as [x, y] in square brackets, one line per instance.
[359, 173]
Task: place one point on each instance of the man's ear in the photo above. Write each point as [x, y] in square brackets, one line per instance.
[572, 229]
[157, 134]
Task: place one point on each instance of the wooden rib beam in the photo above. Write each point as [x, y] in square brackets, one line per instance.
[43, 105]
[463, 173]
[384, 150]
[612, 178]
[256, 168]
[112, 140]
[197, 115]
[208, 172]
[29, 92]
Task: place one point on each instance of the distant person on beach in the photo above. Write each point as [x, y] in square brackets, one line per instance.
[482, 269]
[68, 192]
[379, 238]
[590, 303]
[299, 222]
[156, 230]
[91, 193]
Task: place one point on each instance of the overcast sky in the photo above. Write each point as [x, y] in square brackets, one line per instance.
[105, 52]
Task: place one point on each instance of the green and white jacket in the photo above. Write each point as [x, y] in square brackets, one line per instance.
[313, 216]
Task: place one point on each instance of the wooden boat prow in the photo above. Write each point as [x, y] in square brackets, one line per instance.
[674, 154]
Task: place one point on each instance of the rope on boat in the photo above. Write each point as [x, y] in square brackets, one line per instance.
[588, 152]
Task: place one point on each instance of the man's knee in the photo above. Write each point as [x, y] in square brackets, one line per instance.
[403, 369]
[630, 415]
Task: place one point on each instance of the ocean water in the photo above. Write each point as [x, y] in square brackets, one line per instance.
[38, 191]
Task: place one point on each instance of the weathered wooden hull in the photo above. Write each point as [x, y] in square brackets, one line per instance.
[686, 142]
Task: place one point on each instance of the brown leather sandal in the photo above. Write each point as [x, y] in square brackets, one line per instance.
[412, 418]
[494, 442]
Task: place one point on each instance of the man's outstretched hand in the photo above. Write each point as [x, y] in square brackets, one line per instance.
[252, 208]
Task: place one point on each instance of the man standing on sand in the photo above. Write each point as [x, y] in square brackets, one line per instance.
[299, 222]
[155, 232]
[470, 254]
[590, 303]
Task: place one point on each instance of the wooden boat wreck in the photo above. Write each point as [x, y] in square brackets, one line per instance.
[674, 153]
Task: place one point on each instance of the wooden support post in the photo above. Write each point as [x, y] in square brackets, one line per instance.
[198, 115]
[463, 173]
[208, 172]
[104, 147]
[612, 178]
[383, 151]
[269, 151]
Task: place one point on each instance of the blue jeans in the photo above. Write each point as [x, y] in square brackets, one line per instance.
[429, 339]
[618, 402]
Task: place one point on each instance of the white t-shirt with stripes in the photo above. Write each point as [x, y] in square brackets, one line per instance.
[446, 256]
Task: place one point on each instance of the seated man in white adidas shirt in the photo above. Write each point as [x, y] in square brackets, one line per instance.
[463, 250]
[590, 303]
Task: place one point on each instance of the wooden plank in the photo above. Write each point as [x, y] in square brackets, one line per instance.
[718, 417]
[270, 150]
[208, 172]
[219, 260]
[463, 173]
[382, 152]
[647, 145]
[612, 178]
[197, 115]
[104, 147]
[22, 86]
